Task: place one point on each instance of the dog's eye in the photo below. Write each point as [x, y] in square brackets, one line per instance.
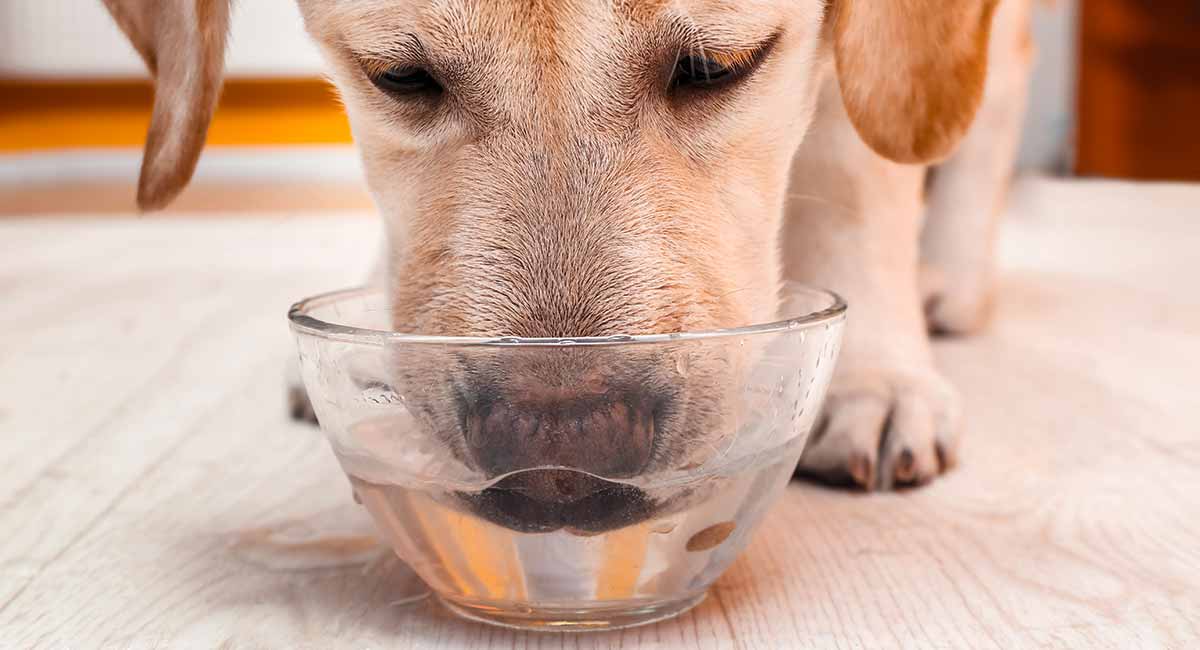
[406, 81]
[710, 69]
[702, 72]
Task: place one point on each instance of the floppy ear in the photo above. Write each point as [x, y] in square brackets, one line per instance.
[183, 44]
[912, 72]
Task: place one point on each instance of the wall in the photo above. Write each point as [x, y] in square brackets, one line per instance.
[1048, 139]
[77, 39]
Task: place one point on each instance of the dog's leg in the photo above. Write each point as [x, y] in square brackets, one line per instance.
[966, 193]
[853, 226]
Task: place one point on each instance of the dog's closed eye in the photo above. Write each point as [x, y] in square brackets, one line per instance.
[701, 69]
[406, 80]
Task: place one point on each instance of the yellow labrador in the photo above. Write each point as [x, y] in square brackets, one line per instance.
[590, 167]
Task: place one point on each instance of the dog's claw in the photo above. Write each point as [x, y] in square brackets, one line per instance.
[861, 471]
[905, 467]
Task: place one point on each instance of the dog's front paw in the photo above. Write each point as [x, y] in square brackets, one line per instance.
[885, 428]
[957, 301]
[299, 405]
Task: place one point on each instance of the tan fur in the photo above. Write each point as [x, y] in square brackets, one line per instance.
[183, 45]
[558, 188]
[565, 197]
[912, 71]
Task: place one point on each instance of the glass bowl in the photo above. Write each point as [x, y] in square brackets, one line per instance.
[567, 484]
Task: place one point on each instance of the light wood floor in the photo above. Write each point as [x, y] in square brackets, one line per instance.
[143, 440]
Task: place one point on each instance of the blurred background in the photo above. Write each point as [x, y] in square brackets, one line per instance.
[1116, 94]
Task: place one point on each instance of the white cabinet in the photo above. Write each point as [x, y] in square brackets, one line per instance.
[76, 39]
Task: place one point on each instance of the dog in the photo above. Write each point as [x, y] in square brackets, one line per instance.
[689, 154]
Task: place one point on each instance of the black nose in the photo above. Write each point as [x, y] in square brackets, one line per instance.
[609, 434]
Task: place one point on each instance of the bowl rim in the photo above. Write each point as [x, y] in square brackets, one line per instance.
[303, 323]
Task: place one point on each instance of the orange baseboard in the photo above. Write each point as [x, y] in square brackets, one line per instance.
[62, 115]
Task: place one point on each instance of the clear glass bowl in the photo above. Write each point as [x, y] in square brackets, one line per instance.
[567, 484]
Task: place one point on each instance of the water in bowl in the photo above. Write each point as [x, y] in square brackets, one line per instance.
[576, 573]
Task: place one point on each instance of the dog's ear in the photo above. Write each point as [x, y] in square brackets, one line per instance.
[912, 72]
[183, 44]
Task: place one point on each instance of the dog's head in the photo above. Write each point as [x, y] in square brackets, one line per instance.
[576, 167]
[587, 167]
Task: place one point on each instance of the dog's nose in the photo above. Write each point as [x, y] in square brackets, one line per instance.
[610, 435]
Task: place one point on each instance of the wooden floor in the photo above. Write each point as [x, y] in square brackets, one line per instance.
[154, 495]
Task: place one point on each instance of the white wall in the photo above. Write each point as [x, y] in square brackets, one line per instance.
[78, 39]
[1047, 141]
